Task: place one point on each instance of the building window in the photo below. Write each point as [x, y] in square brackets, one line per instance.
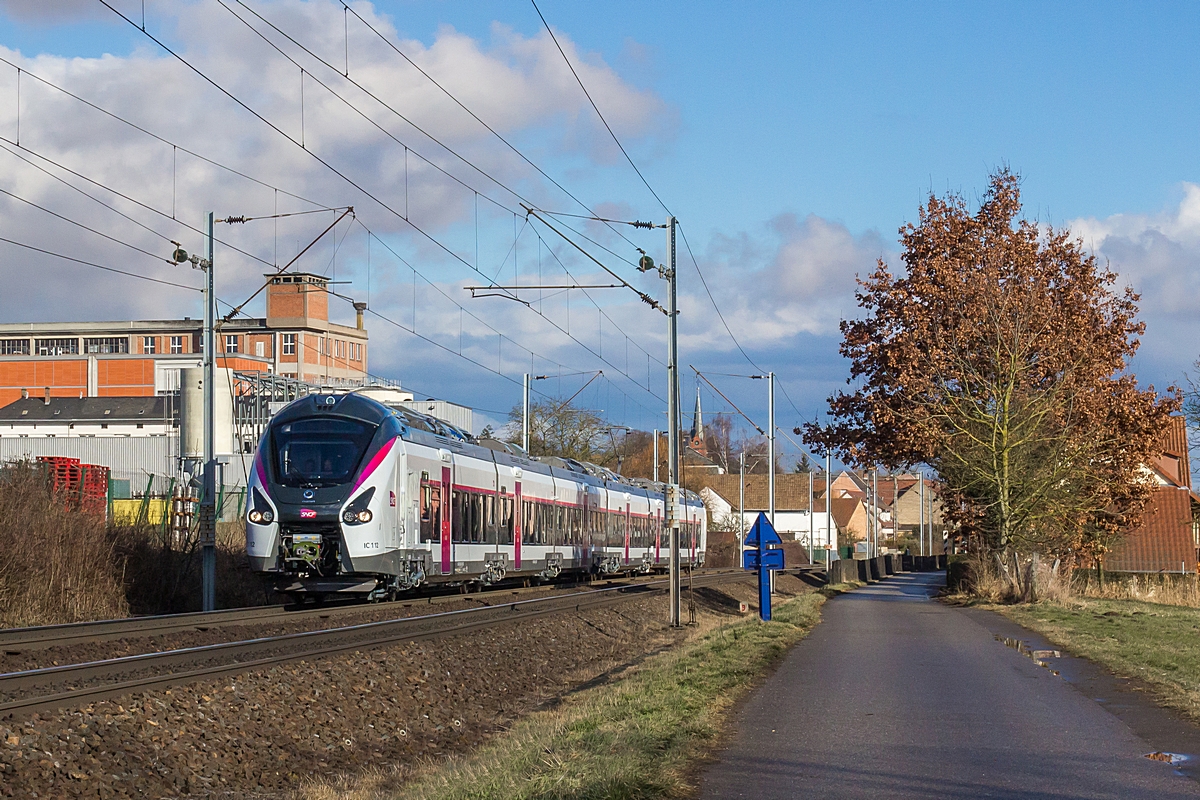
[149, 345]
[14, 347]
[176, 344]
[57, 347]
[106, 344]
[289, 344]
[231, 343]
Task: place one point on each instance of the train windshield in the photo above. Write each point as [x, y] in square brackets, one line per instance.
[323, 451]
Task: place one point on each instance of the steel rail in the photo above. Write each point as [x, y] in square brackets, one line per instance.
[248, 655]
[14, 641]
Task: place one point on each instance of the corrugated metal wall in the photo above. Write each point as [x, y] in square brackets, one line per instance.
[131, 458]
[458, 416]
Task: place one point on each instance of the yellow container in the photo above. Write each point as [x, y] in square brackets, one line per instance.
[125, 512]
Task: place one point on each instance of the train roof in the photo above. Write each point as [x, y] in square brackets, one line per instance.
[358, 406]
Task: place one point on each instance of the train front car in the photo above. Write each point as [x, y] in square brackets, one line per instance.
[322, 513]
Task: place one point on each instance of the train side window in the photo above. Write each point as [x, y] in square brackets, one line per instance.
[428, 526]
[489, 519]
[477, 518]
[456, 516]
[506, 520]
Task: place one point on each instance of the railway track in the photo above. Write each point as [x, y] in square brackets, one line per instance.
[14, 641]
[46, 689]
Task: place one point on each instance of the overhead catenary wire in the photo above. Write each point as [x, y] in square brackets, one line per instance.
[525, 204]
[476, 318]
[99, 266]
[596, 108]
[525, 201]
[239, 173]
[339, 173]
[176, 221]
[480, 120]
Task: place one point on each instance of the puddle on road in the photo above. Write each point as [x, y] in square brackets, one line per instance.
[1037, 656]
[1168, 758]
[1040, 657]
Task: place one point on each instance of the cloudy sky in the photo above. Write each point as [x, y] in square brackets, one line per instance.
[790, 140]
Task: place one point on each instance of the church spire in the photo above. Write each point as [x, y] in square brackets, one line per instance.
[697, 435]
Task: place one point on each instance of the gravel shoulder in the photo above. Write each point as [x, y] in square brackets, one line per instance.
[265, 733]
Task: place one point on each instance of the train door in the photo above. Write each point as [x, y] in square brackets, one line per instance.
[518, 525]
[626, 533]
[657, 535]
[443, 491]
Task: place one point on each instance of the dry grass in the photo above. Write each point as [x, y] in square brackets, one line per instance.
[637, 737]
[162, 577]
[979, 578]
[1171, 590]
[58, 564]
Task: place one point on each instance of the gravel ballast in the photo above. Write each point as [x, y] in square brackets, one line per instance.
[261, 734]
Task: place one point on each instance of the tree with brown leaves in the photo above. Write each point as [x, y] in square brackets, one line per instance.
[999, 358]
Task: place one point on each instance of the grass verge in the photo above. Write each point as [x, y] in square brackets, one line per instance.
[1156, 644]
[638, 737]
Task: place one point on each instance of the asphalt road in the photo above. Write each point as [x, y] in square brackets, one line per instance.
[895, 695]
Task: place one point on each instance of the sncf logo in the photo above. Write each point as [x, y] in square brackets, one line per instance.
[307, 513]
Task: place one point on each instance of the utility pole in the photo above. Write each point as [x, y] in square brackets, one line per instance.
[921, 517]
[208, 497]
[208, 478]
[771, 445]
[812, 526]
[771, 459]
[741, 508]
[656, 455]
[525, 415]
[830, 536]
[673, 491]
[875, 503]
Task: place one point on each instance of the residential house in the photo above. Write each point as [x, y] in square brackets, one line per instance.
[1167, 540]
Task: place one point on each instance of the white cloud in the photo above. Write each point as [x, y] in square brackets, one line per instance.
[795, 277]
[1159, 256]
[518, 84]
[50, 11]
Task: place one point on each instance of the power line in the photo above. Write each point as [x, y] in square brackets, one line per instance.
[478, 119]
[100, 266]
[475, 317]
[122, 195]
[336, 171]
[644, 297]
[567, 272]
[597, 108]
[149, 133]
[56, 215]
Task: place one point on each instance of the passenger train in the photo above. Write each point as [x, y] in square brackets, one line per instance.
[348, 495]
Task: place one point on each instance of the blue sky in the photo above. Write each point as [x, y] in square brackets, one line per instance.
[791, 140]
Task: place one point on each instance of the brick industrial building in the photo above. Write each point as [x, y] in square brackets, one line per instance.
[143, 357]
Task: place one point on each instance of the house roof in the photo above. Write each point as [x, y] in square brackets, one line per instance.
[844, 509]
[1163, 542]
[89, 409]
[1173, 465]
[791, 491]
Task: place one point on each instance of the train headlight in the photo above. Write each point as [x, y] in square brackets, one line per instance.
[256, 517]
[268, 516]
[357, 512]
